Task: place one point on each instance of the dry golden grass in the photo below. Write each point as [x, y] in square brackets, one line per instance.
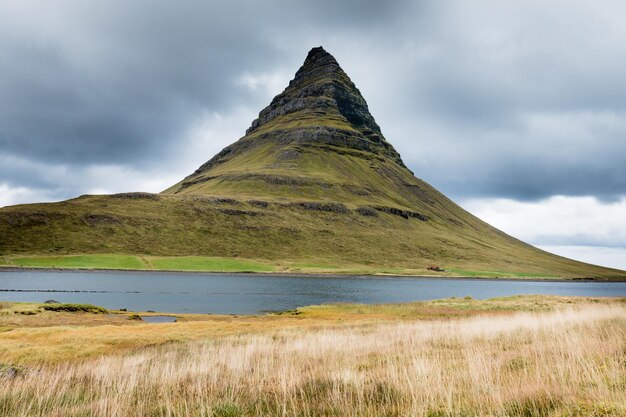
[570, 361]
[30, 335]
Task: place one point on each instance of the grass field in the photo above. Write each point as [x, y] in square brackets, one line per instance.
[80, 261]
[224, 264]
[513, 356]
[191, 232]
[495, 274]
[203, 263]
[109, 261]
[33, 335]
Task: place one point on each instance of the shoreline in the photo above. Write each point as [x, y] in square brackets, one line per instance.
[320, 275]
[187, 316]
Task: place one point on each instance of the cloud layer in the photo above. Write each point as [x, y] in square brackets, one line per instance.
[523, 99]
[558, 220]
[582, 228]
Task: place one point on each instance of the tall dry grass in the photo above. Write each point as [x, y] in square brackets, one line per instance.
[567, 362]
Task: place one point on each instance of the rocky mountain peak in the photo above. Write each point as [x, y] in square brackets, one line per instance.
[317, 62]
[322, 88]
[320, 108]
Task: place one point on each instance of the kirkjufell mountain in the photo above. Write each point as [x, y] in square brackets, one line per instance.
[312, 186]
[316, 139]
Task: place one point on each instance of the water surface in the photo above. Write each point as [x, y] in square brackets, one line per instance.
[158, 319]
[251, 294]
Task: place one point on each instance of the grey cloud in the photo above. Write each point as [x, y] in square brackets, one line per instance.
[123, 94]
[532, 181]
[119, 82]
[507, 167]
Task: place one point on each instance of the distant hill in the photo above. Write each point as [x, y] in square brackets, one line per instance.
[313, 186]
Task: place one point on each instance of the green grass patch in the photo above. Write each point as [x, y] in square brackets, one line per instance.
[311, 265]
[82, 261]
[444, 307]
[339, 309]
[26, 309]
[399, 271]
[227, 410]
[495, 274]
[203, 263]
[76, 308]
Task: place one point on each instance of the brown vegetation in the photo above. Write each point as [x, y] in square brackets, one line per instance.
[568, 361]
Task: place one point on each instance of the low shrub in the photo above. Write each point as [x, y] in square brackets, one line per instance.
[76, 308]
[227, 410]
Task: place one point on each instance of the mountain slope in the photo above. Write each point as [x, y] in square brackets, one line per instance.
[312, 186]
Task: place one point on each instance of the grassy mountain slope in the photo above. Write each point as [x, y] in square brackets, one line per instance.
[312, 186]
[286, 236]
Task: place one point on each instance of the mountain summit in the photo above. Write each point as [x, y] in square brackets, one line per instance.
[322, 95]
[318, 134]
[312, 186]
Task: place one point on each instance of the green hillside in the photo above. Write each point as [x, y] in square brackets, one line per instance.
[313, 186]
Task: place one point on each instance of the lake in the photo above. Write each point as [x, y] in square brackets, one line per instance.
[251, 294]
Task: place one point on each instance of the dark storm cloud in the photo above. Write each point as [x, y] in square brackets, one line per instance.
[120, 88]
[532, 181]
[523, 99]
[119, 82]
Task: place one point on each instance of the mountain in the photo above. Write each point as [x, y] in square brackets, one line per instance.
[317, 139]
[312, 186]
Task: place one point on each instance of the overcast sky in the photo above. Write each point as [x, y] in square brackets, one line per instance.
[516, 110]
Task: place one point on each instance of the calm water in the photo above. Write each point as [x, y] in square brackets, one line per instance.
[249, 294]
[158, 319]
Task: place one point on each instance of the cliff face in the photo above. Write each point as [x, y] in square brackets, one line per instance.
[319, 90]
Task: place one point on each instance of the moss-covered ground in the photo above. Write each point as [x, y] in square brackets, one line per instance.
[194, 233]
